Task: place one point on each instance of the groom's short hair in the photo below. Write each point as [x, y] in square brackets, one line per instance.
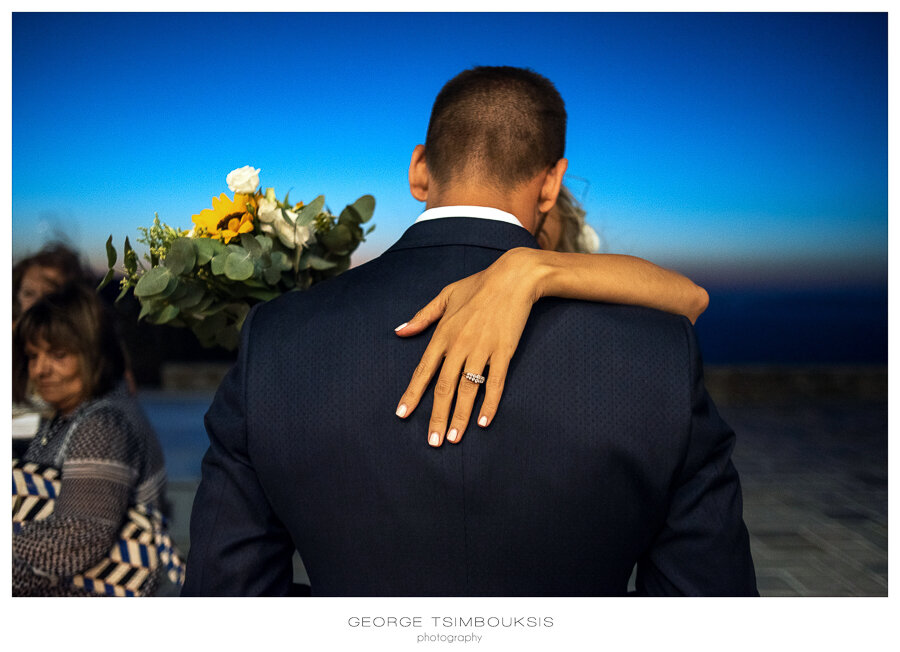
[499, 123]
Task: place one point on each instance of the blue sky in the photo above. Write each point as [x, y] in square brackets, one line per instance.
[738, 148]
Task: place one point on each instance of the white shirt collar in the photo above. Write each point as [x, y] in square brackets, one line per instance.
[481, 212]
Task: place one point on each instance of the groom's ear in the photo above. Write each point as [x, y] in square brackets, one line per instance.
[552, 183]
[418, 174]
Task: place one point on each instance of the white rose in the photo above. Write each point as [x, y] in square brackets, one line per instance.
[283, 229]
[304, 235]
[267, 210]
[244, 180]
[588, 240]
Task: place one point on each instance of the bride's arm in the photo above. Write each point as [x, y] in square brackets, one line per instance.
[612, 278]
[482, 318]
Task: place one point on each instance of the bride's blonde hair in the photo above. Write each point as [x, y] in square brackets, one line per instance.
[572, 238]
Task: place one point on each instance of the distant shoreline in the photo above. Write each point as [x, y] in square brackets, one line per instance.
[773, 385]
[728, 384]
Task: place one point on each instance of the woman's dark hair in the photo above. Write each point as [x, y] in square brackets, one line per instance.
[54, 256]
[73, 319]
[501, 123]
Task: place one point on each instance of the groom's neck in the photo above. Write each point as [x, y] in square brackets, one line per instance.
[514, 201]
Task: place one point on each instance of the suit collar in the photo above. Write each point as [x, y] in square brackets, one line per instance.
[465, 231]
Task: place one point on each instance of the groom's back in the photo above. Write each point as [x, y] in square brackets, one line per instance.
[560, 496]
[605, 452]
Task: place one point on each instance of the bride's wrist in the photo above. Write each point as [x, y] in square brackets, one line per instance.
[531, 270]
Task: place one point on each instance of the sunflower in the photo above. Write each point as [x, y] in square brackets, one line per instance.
[227, 218]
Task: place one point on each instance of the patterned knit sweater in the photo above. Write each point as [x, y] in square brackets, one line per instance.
[109, 459]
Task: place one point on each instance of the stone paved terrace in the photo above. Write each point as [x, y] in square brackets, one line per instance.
[815, 497]
[812, 454]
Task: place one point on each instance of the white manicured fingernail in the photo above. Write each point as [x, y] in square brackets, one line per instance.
[453, 434]
[482, 422]
[401, 411]
[434, 439]
[403, 325]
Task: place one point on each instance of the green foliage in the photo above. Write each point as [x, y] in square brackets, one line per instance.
[204, 284]
[181, 256]
[111, 255]
[239, 265]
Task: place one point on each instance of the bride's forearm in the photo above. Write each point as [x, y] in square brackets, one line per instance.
[610, 278]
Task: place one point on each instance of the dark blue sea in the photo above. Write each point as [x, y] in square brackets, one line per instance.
[798, 326]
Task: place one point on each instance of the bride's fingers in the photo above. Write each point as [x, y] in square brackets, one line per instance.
[432, 311]
[493, 389]
[429, 363]
[444, 389]
[465, 399]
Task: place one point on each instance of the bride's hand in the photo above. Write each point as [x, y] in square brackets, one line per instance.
[481, 320]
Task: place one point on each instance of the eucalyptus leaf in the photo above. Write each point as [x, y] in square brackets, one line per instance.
[171, 287]
[239, 267]
[265, 294]
[251, 245]
[365, 207]
[272, 274]
[204, 303]
[207, 249]
[308, 213]
[111, 254]
[370, 229]
[167, 314]
[181, 256]
[190, 297]
[280, 260]
[122, 294]
[254, 283]
[217, 264]
[153, 282]
[204, 309]
[148, 307]
[337, 240]
[359, 211]
[265, 243]
[107, 278]
[320, 263]
[349, 216]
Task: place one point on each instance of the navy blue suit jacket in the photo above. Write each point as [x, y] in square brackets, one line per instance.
[606, 451]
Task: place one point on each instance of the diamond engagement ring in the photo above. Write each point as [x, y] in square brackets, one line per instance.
[475, 378]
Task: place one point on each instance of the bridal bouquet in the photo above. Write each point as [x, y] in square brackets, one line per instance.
[246, 249]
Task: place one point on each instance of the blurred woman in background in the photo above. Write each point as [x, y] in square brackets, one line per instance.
[95, 434]
[48, 270]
